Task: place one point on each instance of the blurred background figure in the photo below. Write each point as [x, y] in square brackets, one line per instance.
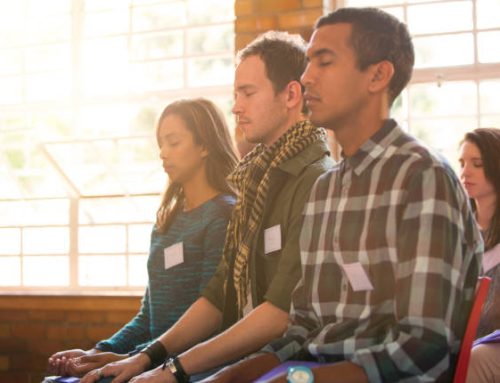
[479, 158]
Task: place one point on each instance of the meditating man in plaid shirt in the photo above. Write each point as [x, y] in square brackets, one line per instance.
[389, 248]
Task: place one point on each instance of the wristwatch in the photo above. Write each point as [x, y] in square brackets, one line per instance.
[174, 366]
[300, 374]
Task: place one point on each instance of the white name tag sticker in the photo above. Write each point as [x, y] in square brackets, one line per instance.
[357, 277]
[272, 239]
[491, 258]
[173, 255]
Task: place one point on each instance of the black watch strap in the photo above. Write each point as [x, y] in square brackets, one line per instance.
[174, 365]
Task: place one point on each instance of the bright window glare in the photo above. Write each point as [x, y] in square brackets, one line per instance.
[489, 96]
[34, 212]
[10, 241]
[105, 239]
[428, 18]
[105, 67]
[447, 50]
[451, 98]
[140, 275]
[489, 47]
[46, 240]
[40, 269]
[108, 22]
[11, 90]
[82, 84]
[487, 13]
[139, 236]
[102, 270]
[10, 271]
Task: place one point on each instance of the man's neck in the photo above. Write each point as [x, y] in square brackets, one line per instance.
[353, 133]
[292, 120]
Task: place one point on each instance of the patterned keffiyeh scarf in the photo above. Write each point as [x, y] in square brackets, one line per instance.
[251, 177]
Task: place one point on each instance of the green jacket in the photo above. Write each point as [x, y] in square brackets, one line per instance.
[273, 276]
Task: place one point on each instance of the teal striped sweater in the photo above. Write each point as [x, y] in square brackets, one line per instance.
[170, 292]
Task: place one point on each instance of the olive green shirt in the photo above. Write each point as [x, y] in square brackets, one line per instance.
[273, 276]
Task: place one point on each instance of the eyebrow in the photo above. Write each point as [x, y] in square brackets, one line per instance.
[168, 135]
[245, 87]
[471, 158]
[321, 52]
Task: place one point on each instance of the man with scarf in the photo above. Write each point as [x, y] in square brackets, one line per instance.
[248, 299]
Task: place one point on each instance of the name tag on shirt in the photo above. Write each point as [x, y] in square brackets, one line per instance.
[272, 239]
[357, 277]
[491, 258]
[173, 255]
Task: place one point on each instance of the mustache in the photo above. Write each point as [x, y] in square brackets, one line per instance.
[243, 120]
[310, 94]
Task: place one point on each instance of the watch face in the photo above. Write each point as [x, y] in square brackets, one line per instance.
[300, 374]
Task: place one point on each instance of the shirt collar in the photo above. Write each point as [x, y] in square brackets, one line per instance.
[374, 146]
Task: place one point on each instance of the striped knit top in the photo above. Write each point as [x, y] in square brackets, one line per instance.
[200, 233]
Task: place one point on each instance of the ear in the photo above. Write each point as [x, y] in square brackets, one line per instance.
[293, 94]
[204, 152]
[382, 73]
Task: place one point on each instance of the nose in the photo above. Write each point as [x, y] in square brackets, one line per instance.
[163, 152]
[237, 108]
[464, 171]
[306, 78]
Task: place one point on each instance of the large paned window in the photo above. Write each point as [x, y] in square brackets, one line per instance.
[457, 72]
[82, 83]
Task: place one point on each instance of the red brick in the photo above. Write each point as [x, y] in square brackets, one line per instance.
[20, 362]
[97, 333]
[304, 32]
[4, 363]
[10, 345]
[312, 4]
[299, 19]
[120, 317]
[242, 39]
[65, 332]
[47, 315]
[15, 377]
[28, 330]
[330, 4]
[85, 317]
[255, 23]
[276, 5]
[48, 347]
[4, 330]
[243, 7]
[28, 362]
[56, 332]
[13, 315]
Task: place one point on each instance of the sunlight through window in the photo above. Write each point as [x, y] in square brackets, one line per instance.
[81, 85]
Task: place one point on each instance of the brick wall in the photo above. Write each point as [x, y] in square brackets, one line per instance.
[256, 16]
[34, 327]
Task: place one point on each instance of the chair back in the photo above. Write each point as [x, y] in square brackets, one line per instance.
[471, 330]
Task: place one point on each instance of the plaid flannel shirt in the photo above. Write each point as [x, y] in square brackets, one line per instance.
[398, 211]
